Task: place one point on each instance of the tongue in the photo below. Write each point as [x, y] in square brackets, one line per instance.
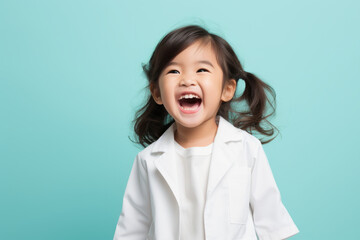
[190, 103]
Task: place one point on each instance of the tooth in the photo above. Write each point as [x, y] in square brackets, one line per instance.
[187, 96]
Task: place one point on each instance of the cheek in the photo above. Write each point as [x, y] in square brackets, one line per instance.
[166, 91]
[213, 88]
[162, 87]
[213, 94]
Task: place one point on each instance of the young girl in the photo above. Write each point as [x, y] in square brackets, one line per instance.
[202, 174]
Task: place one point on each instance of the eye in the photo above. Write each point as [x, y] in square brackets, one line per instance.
[173, 71]
[203, 69]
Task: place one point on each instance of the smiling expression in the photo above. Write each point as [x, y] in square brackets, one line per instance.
[191, 86]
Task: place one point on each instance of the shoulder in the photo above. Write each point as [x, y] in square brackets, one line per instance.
[146, 151]
[149, 154]
[249, 139]
[237, 137]
[250, 144]
[141, 157]
[229, 133]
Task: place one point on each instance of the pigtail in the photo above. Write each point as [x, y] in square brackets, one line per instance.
[256, 96]
[150, 122]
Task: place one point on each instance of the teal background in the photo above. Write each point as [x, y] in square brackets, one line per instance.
[71, 80]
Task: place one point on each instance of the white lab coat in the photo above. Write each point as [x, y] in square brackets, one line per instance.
[242, 199]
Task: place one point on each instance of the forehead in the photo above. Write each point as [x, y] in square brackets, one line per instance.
[200, 51]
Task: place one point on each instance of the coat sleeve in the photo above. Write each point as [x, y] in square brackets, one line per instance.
[135, 217]
[271, 219]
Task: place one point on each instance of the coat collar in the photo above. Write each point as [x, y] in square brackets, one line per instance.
[221, 159]
[226, 133]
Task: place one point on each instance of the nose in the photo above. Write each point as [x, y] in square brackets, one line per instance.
[187, 80]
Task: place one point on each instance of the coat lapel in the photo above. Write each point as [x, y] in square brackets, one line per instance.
[222, 158]
[165, 163]
[219, 165]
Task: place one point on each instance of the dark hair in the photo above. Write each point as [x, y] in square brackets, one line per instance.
[151, 120]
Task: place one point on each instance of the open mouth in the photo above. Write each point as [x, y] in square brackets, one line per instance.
[189, 103]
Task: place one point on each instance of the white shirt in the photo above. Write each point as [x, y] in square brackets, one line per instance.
[192, 175]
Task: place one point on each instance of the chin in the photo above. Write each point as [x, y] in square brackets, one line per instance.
[188, 123]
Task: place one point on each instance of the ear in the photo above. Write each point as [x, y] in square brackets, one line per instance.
[229, 90]
[155, 92]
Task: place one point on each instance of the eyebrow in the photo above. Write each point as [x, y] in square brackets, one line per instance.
[201, 61]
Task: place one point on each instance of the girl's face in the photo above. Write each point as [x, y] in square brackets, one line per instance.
[191, 86]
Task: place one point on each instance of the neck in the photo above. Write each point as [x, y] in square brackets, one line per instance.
[199, 136]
